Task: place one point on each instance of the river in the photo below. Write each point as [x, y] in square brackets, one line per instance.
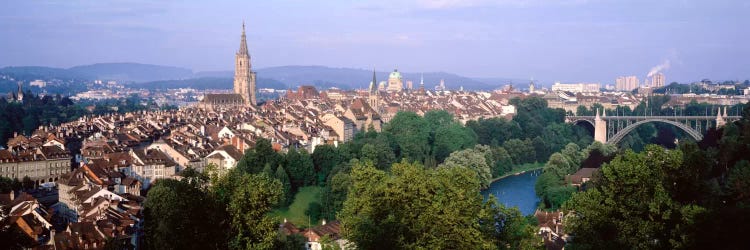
[516, 191]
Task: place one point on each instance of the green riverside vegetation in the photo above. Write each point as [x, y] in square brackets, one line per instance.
[416, 184]
[368, 184]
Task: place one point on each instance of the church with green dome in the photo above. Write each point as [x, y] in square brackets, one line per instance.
[395, 82]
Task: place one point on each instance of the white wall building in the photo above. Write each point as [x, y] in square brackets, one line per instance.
[577, 87]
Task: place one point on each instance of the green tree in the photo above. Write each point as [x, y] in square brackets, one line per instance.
[507, 227]
[252, 199]
[269, 171]
[327, 243]
[325, 158]
[264, 154]
[503, 163]
[555, 136]
[412, 133]
[546, 181]
[314, 211]
[533, 115]
[243, 165]
[30, 123]
[541, 149]
[630, 205]
[521, 151]
[380, 154]
[380, 211]
[556, 196]
[175, 217]
[558, 165]
[494, 131]
[6, 184]
[286, 184]
[308, 168]
[450, 138]
[194, 177]
[300, 167]
[738, 181]
[574, 155]
[438, 118]
[474, 159]
[335, 194]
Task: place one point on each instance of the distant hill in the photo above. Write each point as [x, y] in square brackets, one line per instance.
[283, 77]
[221, 74]
[134, 72]
[500, 81]
[27, 73]
[348, 78]
[205, 83]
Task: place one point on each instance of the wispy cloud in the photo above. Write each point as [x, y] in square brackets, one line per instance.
[448, 4]
[452, 4]
[361, 38]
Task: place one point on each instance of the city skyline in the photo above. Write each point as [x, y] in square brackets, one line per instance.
[568, 41]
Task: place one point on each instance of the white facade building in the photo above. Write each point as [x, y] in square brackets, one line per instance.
[577, 87]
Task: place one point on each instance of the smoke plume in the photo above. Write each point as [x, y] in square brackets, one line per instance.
[660, 67]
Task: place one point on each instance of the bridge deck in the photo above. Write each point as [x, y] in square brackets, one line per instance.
[652, 117]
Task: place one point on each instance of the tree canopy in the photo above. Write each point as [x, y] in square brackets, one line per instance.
[175, 217]
[417, 208]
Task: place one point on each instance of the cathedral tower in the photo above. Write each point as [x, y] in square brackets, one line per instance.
[374, 98]
[244, 77]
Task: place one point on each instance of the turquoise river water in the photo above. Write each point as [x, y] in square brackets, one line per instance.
[516, 190]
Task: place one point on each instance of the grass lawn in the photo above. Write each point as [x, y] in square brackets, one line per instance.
[295, 213]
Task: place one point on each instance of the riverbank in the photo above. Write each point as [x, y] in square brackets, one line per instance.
[520, 170]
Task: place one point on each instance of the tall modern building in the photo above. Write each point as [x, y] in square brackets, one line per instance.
[244, 77]
[658, 80]
[627, 83]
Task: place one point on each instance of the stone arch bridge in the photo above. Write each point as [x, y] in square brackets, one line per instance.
[612, 129]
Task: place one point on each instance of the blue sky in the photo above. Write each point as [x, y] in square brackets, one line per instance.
[566, 40]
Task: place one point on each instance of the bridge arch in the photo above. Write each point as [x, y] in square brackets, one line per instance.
[582, 120]
[586, 124]
[622, 133]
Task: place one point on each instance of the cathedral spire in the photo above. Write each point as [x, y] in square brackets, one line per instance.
[374, 99]
[243, 42]
[244, 77]
[374, 83]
